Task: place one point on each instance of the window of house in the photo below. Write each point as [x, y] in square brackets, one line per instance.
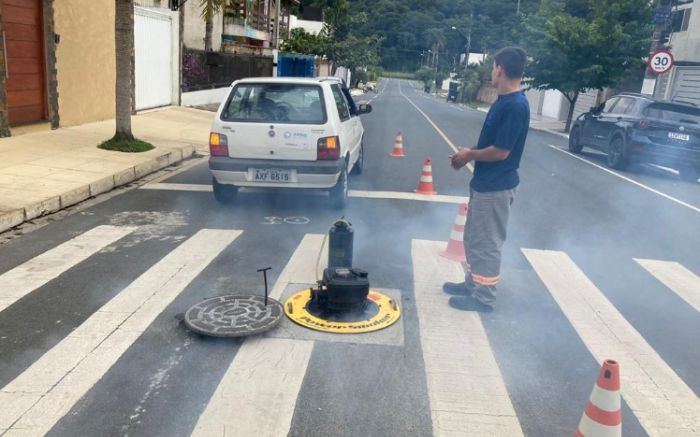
[680, 19]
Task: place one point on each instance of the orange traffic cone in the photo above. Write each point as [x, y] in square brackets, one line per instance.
[602, 416]
[425, 186]
[455, 246]
[397, 152]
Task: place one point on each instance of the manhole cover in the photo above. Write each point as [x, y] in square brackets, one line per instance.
[234, 316]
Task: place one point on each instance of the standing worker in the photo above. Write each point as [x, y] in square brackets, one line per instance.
[492, 189]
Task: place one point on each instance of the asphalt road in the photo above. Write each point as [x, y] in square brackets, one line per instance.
[80, 354]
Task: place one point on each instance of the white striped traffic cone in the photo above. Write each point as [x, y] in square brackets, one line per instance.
[397, 152]
[602, 416]
[455, 245]
[425, 186]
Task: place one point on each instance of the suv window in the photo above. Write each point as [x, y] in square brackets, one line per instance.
[673, 113]
[340, 102]
[609, 104]
[623, 106]
[272, 102]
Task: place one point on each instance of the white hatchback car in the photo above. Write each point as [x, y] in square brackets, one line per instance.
[286, 133]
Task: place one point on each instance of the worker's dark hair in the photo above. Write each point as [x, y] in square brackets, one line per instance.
[512, 60]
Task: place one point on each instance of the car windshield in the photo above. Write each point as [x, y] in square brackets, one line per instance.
[285, 103]
[673, 113]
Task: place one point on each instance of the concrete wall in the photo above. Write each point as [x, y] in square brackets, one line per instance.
[195, 27]
[205, 97]
[555, 105]
[313, 27]
[85, 60]
[686, 44]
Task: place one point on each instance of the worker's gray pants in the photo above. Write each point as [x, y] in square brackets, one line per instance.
[484, 235]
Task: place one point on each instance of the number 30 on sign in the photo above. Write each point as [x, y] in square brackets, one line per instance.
[660, 62]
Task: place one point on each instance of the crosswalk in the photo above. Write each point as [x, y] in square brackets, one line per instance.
[465, 386]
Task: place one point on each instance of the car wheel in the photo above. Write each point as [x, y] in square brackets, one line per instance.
[339, 193]
[617, 154]
[224, 193]
[360, 163]
[689, 174]
[575, 145]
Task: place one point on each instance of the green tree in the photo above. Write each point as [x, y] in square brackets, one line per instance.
[305, 43]
[343, 45]
[209, 9]
[592, 50]
[124, 47]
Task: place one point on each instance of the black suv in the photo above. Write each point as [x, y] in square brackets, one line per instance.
[633, 127]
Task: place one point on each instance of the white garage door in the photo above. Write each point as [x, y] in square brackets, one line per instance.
[154, 60]
[686, 85]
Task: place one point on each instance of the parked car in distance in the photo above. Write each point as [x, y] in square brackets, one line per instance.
[301, 133]
[636, 128]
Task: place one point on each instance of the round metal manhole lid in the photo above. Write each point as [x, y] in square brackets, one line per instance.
[234, 316]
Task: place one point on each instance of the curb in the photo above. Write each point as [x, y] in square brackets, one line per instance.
[12, 218]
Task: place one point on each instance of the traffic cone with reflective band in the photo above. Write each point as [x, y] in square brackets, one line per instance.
[425, 186]
[602, 416]
[397, 152]
[455, 246]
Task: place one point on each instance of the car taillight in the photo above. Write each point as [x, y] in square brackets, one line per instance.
[643, 124]
[328, 148]
[218, 144]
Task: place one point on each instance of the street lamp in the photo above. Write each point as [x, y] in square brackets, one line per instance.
[468, 47]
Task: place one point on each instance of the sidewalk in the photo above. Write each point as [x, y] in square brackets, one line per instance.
[541, 122]
[46, 171]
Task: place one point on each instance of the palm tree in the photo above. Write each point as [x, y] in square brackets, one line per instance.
[209, 9]
[124, 47]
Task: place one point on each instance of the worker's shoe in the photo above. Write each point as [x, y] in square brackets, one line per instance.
[468, 303]
[457, 288]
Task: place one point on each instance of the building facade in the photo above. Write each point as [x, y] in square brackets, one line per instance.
[683, 40]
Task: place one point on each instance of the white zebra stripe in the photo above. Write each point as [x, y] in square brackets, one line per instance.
[659, 398]
[37, 399]
[465, 387]
[25, 278]
[680, 280]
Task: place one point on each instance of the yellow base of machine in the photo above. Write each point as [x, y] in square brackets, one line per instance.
[388, 314]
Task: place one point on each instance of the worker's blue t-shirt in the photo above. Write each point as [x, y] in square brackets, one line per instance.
[506, 128]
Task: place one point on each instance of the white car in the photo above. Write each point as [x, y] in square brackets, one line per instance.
[286, 133]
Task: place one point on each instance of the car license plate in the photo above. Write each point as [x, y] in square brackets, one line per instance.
[271, 175]
[677, 136]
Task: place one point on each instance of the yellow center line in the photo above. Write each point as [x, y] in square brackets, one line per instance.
[470, 166]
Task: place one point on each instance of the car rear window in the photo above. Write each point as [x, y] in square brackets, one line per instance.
[674, 113]
[278, 103]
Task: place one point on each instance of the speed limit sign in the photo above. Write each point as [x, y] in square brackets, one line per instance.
[660, 62]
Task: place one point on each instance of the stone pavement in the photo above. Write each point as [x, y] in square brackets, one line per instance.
[46, 171]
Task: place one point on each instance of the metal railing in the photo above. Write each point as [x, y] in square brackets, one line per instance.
[206, 70]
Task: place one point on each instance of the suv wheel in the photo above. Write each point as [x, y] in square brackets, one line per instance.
[617, 154]
[224, 193]
[339, 193]
[360, 163]
[575, 141]
[689, 174]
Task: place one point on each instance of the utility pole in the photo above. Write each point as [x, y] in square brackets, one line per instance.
[657, 43]
[517, 11]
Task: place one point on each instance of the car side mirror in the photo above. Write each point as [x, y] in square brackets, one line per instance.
[364, 108]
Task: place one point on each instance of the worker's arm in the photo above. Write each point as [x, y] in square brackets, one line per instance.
[487, 154]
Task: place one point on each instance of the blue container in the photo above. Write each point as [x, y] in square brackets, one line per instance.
[295, 65]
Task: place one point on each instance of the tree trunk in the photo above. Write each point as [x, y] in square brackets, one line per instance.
[208, 27]
[124, 45]
[572, 106]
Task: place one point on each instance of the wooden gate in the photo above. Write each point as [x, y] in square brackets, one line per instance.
[25, 80]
